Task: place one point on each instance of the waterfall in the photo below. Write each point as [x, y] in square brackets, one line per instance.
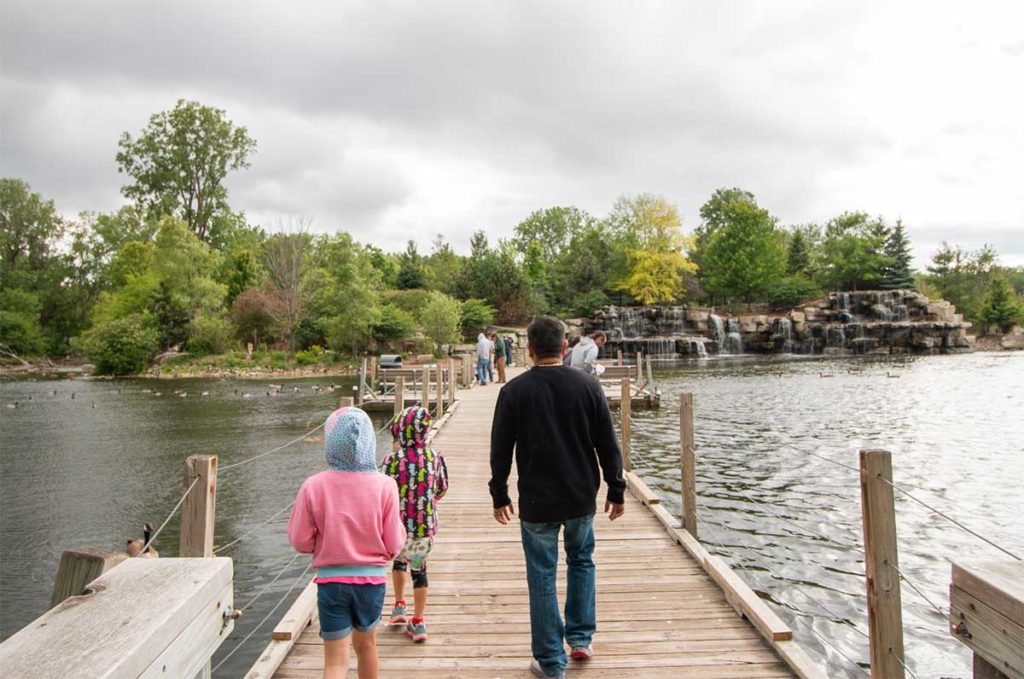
[698, 349]
[782, 335]
[733, 338]
[717, 330]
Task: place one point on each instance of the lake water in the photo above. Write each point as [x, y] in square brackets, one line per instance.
[72, 474]
[791, 523]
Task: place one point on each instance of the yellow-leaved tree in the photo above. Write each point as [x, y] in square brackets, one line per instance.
[650, 230]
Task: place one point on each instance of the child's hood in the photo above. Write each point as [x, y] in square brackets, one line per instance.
[411, 427]
[350, 443]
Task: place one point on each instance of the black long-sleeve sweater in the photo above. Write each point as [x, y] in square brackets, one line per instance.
[557, 421]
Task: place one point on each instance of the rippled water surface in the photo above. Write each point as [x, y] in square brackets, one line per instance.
[86, 463]
[790, 521]
[72, 474]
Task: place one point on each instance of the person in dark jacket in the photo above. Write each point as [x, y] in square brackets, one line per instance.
[557, 422]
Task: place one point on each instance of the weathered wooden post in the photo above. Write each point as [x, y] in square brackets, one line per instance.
[451, 382]
[399, 394]
[687, 464]
[639, 367]
[346, 402]
[79, 567]
[372, 374]
[361, 394]
[878, 510]
[425, 398]
[624, 409]
[618, 360]
[200, 507]
[440, 389]
[467, 371]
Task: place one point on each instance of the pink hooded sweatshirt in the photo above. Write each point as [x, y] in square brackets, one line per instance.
[348, 516]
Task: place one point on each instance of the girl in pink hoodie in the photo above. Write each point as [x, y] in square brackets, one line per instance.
[348, 518]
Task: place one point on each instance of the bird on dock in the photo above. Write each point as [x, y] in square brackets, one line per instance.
[135, 545]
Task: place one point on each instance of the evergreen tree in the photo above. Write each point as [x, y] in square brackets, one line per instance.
[898, 272]
[410, 274]
[799, 257]
[1000, 308]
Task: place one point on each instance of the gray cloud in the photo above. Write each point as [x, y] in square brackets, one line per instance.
[399, 119]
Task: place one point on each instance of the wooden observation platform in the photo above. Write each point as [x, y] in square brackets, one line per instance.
[664, 609]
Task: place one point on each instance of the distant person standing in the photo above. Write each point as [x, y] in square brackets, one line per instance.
[584, 354]
[483, 357]
[500, 358]
[567, 359]
[557, 422]
[508, 350]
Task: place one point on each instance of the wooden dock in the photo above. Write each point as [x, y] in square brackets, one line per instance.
[660, 612]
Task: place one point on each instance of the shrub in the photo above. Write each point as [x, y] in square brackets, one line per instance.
[393, 323]
[474, 316]
[123, 346]
[311, 331]
[20, 330]
[210, 335]
[310, 356]
[792, 290]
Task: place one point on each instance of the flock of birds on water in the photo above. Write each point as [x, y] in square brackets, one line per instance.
[270, 390]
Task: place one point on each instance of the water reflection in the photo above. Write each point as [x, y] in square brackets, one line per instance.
[790, 519]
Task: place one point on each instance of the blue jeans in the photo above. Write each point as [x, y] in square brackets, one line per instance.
[540, 544]
[481, 370]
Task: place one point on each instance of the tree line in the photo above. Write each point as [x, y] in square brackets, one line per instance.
[178, 267]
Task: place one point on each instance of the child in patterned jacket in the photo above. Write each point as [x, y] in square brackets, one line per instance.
[422, 478]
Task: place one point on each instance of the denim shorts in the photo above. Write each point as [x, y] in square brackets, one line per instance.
[343, 607]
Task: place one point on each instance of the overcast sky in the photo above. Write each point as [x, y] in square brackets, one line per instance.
[394, 120]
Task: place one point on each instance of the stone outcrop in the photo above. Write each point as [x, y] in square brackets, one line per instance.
[862, 322]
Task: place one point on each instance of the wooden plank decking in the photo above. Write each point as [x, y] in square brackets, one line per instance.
[659, 613]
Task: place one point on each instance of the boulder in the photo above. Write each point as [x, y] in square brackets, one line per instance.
[797, 316]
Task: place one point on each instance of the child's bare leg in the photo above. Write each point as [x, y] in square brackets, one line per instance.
[336, 657]
[365, 644]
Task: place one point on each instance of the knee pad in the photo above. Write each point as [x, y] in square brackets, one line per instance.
[400, 566]
[419, 579]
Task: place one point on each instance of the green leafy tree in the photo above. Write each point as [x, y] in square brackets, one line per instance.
[791, 290]
[744, 256]
[285, 261]
[713, 216]
[852, 252]
[897, 272]
[1000, 307]
[393, 324]
[581, 276]
[20, 331]
[410, 273]
[440, 319]
[475, 316]
[179, 162]
[442, 267]
[551, 229]
[962, 277]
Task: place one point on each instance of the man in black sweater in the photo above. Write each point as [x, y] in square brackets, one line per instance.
[557, 421]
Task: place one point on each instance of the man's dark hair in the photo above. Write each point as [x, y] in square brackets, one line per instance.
[546, 334]
[598, 334]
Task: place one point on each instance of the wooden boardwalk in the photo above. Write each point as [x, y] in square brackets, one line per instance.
[659, 613]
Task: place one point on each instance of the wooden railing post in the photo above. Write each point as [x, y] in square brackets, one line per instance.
[451, 382]
[878, 510]
[79, 567]
[361, 395]
[624, 409]
[687, 464]
[425, 399]
[346, 402]
[618, 360]
[399, 394]
[199, 508]
[372, 374]
[440, 388]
